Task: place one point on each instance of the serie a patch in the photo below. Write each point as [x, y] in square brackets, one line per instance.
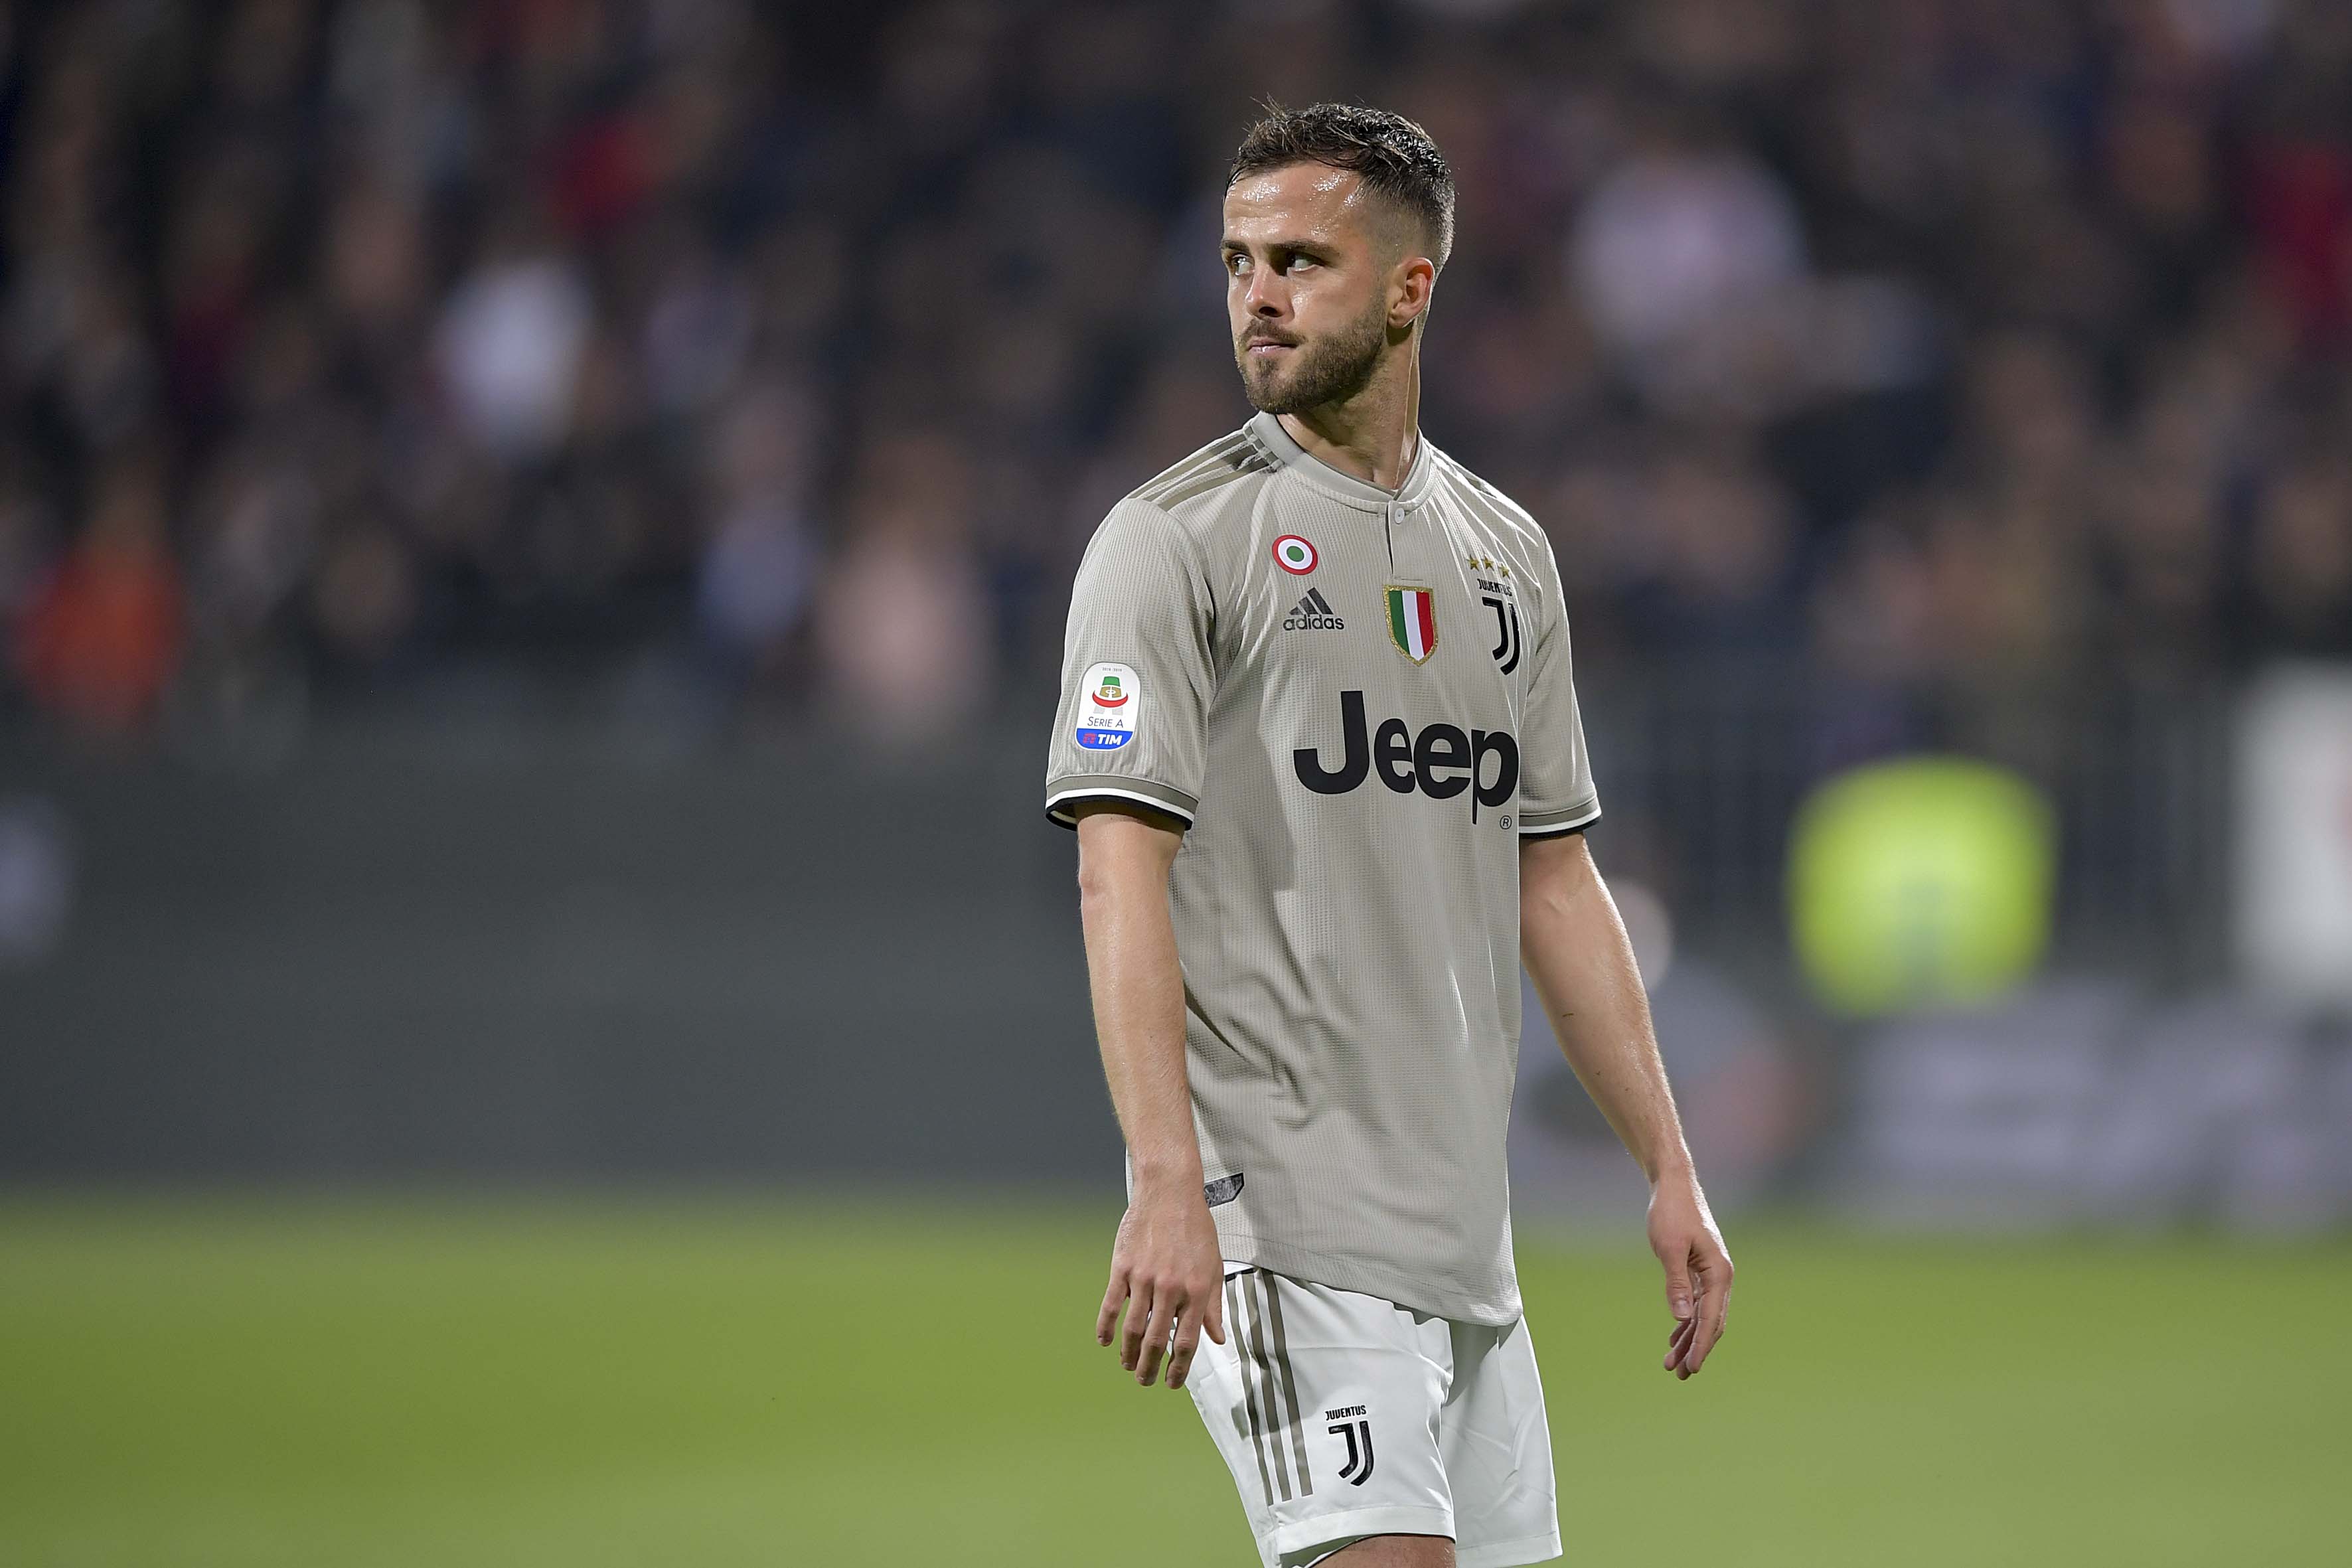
[1110, 704]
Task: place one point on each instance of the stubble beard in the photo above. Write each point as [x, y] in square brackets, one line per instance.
[1330, 371]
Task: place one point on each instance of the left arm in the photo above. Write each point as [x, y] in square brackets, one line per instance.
[1575, 949]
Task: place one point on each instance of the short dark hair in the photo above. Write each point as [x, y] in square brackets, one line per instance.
[1394, 156]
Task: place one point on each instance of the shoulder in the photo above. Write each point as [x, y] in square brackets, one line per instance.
[1196, 501]
[1490, 505]
[1183, 485]
[1514, 528]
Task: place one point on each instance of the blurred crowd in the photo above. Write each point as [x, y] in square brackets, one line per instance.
[775, 361]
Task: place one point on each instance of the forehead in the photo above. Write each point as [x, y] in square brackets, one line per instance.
[1298, 202]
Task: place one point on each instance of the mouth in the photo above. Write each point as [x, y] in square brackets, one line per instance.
[1266, 348]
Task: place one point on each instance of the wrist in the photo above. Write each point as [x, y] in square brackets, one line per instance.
[1167, 1176]
[1672, 1169]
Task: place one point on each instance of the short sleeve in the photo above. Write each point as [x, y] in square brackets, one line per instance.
[1556, 792]
[1137, 675]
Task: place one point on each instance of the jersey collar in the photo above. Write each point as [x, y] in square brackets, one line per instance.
[1271, 439]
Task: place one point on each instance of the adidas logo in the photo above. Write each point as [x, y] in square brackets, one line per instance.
[1313, 613]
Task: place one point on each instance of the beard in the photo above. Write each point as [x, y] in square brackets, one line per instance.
[1319, 371]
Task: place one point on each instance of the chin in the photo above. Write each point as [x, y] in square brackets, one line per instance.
[1267, 393]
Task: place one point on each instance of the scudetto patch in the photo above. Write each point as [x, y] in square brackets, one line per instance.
[1111, 703]
[1223, 1190]
[1412, 621]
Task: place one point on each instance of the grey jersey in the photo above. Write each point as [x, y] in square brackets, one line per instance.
[1358, 703]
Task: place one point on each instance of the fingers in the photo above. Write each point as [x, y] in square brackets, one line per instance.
[1715, 1307]
[1678, 1342]
[1163, 1290]
[1165, 1321]
[1179, 1310]
[1694, 1337]
[1167, 1308]
[1680, 1303]
[1107, 1319]
[1679, 1282]
[1139, 1317]
[1188, 1340]
[1208, 1316]
[1189, 1330]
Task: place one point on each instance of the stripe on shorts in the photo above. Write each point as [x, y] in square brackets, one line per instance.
[1249, 1392]
[1266, 1385]
[1289, 1381]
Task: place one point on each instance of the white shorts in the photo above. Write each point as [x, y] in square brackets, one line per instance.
[1342, 1415]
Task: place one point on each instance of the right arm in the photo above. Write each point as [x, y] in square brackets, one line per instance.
[1166, 1267]
[1125, 768]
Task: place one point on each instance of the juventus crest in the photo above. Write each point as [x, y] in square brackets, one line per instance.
[1507, 630]
[1359, 1432]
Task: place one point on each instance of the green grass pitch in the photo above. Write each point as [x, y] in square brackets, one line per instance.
[459, 1381]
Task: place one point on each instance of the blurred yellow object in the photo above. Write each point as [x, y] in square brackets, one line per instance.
[1920, 882]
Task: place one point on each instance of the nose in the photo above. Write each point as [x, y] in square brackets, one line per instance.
[1265, 297]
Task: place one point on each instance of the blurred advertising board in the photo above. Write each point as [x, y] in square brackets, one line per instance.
[2090, 1101]
[2294, 842]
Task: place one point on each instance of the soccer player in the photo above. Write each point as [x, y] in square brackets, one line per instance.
[1319, 740]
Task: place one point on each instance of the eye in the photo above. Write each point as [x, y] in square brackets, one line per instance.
[1235, 262]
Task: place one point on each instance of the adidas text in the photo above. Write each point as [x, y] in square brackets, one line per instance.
[1313, 613]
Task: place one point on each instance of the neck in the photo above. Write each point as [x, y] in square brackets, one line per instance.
[1374, 434]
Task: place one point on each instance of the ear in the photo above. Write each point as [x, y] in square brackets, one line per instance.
[1408, 290]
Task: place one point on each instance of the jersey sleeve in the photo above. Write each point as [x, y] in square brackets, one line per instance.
[1556, 792]
[1136, 673]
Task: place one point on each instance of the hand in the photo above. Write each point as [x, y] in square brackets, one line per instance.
[1698, 1270]
[1167, 1270]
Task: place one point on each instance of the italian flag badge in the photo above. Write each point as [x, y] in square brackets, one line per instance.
[1413, 623]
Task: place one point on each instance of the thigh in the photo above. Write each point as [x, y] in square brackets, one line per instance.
[1496, 1443]
[1325, 1406]
[1394, 1552]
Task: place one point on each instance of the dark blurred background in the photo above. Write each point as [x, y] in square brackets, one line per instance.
[541, 1019]
[534, 536]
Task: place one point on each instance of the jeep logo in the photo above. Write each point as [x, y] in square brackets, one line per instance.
[1441, 762]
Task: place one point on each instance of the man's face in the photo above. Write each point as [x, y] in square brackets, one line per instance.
[1307, 273]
